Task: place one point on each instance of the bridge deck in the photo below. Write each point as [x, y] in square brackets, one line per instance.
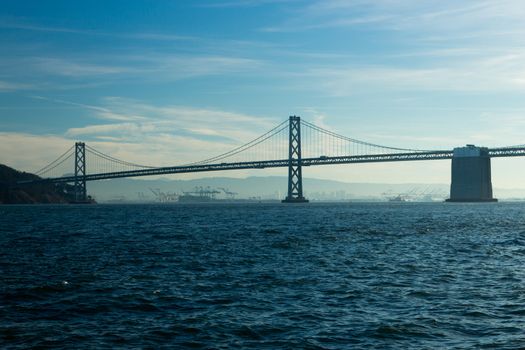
[433, 155]
[374, 158]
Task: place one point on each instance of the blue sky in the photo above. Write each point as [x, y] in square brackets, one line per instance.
[164, 82]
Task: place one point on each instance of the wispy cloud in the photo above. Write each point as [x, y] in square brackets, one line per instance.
[332, 23]
[11, 23]
[490, 74]
[101, 112]
[195, 132]
[104, 129]
[30, 152]
[65, 67]
[154, 66]
[184, 66]
[445, 16]
[161, 136]
[158, 36]
[6, 86]
[244, 3]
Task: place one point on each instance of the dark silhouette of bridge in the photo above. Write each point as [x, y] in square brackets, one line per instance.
[293, 144]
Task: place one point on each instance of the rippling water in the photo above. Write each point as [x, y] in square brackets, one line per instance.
[316, 276]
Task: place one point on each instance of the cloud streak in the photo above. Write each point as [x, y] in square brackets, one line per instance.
[169, 135]
[6, 86]
[155, 66]
[10, 23]
[498, 73]
[195, 133]
[444, 16]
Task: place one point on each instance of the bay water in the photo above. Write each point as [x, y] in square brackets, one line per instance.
[263, 276]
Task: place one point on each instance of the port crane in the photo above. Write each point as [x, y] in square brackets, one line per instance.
[202, 192]
[163, 197]
[228, 193]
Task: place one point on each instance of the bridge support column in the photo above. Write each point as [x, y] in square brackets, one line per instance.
[80, 173]
[471, 175]
[295, 175]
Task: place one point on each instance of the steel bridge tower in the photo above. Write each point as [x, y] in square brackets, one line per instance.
[295, 174]
[80, 172]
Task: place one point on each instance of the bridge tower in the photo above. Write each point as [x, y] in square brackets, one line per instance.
[295, 174]
[471, 175]
[80, 172]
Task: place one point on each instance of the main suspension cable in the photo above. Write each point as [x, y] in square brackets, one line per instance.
[333, 134]
[52, 165]
[244, 147]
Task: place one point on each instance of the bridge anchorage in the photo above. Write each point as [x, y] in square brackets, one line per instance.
[471, 175]
[292, 144]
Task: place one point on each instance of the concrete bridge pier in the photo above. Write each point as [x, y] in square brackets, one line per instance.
[471, 175]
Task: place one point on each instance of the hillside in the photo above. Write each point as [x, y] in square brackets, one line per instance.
[10, 193]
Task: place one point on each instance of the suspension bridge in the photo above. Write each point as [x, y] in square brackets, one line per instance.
[292, 144]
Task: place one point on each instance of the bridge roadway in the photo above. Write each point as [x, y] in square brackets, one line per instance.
[392, 157]
[372, 158]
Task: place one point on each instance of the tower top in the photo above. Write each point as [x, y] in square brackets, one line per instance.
[470, 151]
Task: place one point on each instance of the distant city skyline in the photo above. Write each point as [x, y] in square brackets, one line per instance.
[167, 82]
